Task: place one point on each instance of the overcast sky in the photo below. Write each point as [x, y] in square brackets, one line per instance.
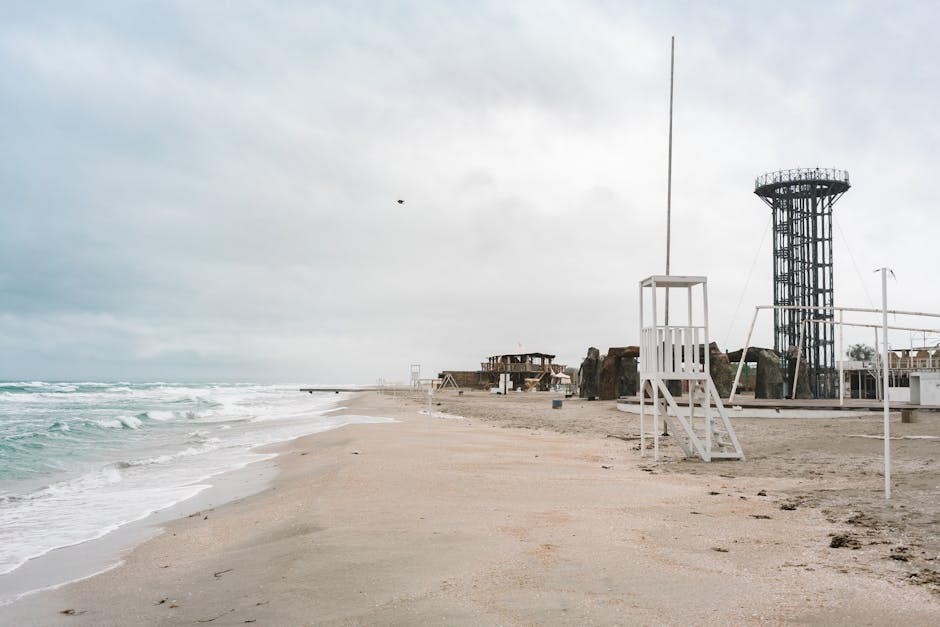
[208, 189]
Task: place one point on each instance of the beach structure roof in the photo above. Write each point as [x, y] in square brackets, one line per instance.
[519, 349]
[672, 280]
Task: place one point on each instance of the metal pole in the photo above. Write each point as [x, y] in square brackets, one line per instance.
[672, 58]
[841, 363]
[430, 396]
[799, 354]
[884, 358]
[853, 309]
[871, 326]
[747, 345]
[879, 366]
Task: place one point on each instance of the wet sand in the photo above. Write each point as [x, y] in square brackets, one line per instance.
[519, 514]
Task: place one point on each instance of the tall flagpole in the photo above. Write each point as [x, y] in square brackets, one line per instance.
[672, 65]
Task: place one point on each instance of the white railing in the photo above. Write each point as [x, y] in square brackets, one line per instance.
[526, 367]
[671, 350]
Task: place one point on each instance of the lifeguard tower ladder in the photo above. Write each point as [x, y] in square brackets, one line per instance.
[674, 352]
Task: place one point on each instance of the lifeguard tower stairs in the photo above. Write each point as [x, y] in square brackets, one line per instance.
[679, 352]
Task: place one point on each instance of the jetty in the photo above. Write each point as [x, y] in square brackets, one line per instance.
[341, 388]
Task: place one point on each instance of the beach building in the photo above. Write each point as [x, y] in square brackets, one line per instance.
[906, 369]
[520, 369]
[516, 369]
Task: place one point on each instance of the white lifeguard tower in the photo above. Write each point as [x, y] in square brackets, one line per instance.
[679, 352]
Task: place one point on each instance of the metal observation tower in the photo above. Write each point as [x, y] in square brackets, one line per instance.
[801, 201]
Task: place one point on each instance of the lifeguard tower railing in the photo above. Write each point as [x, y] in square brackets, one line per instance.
[674, 352]
[499, 366]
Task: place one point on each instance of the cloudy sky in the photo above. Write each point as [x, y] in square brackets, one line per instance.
[208, 189]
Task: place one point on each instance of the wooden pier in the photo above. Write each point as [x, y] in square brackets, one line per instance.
[337, 390]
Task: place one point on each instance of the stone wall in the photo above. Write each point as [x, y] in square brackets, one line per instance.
[618, 373]
[588, 374]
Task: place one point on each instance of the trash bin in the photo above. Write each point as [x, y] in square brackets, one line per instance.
[556, 403]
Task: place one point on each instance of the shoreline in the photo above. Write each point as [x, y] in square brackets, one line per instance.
[547, 520]
[69, 564]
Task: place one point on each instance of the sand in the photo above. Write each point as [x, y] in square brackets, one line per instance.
[519, 514]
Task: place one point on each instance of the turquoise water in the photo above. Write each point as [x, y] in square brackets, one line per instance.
[78, 460]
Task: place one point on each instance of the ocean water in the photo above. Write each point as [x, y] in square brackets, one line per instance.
[79, 460]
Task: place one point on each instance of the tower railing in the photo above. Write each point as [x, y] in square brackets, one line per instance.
[802, 174]
[673, 351]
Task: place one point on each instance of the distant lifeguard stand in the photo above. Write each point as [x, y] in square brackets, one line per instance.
[679, 352]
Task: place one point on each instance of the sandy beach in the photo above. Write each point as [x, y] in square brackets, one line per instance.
[518, 514]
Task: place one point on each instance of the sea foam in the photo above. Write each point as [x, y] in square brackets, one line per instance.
[78, 461]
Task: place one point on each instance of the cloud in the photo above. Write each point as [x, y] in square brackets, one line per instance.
[208, 190]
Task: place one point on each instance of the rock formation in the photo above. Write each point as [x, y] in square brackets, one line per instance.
[618, 374]
[720, 370]
[588, 375]
[769, 378]
[803, 390]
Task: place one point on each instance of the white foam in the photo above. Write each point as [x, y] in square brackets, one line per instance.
[440, 414]
[132, 422]
[160, 463]
[162, 415]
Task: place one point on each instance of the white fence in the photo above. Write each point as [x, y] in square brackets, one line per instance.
[675, 351]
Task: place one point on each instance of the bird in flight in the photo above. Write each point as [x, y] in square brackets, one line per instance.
[401, 202]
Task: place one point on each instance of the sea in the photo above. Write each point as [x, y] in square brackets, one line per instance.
[81, 460]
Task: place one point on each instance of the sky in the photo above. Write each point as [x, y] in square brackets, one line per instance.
[208, 190]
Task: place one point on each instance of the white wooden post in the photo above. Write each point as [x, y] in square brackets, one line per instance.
[644, 355]
[657, 366]
[655, 421]
[707, 341]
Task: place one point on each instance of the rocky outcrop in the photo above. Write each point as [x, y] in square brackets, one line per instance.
[588, 375]
[618, 375]
[720, 370]
[803, 389]
[769, 379]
